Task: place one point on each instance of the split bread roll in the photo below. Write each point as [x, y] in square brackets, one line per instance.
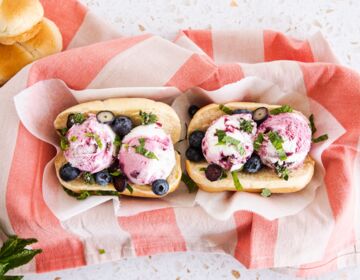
[265, 178]
[19, 20]
[129, 107]
[14, 57]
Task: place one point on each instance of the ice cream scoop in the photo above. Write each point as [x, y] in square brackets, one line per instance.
[228, 141]
[147, 154]
[293, 133]
[91, 145]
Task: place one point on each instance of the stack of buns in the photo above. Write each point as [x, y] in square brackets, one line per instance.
[25, 36]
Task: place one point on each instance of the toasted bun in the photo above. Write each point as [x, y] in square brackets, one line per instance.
[19, 20]
[128, 107]
[265, 178]
[48, 41]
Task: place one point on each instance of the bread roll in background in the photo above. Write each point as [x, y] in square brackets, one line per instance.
[19, 20]
[13, 57]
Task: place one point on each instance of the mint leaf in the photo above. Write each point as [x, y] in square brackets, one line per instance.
[246, 126]
[191, 185]
[64, 143]
[258, 141]
[320, 138]
[116, 173]
[129, 188]
[202, 168]
[73, 138]
[282, 109]
[96, 137]
[282, 171]
[117, 141]
[143, 151]
[225, 109]
[277, 142]
[63, 131]
[312, 124]
[236, 180]
[147, 118]
[265, 192]
[88, 178]
[83, 195]
[78, 118]
[101, 251]
[223, 175]
[224, 139]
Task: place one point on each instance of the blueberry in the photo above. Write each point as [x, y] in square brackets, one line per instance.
[213, 172]
[70, 121]
[115, 166]
[196, 138]
[121, 125]
[193, 154]
[253, 164]
[192, 110]
[106, 117]
[120, 183]
[241, 111]
[69, 173]
[260, 115]
[160, 187]
[103, 178]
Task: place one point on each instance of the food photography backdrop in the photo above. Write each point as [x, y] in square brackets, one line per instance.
[339, 23]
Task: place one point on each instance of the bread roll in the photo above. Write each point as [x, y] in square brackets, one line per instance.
[19, 20]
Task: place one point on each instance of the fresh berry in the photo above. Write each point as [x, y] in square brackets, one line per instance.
[105, 117]
[103, 178]
[114, 166]
[70, 121]
[196, 138]
[260, 115]
[69, 173]
[253, 164]
[241, 111]
[192, 110]
[121, 125]
[213, 172]
[160, 187]
[194, 154]
[120, 183]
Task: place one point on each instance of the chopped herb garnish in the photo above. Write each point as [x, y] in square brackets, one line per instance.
[282, 109]
[64, 143]
[116, 173]
[83, 195]
[147, 118]
[13, 253]
[73, 138]
[202, 168]
[282, 172]
[312, 124]
[191, 185]
[129, 188]
[88, 178]
[258, 141]
[101, 251]
[78, 118]
[246, 126]
[224, 139]
[265, 192]
[320, 138]
[277, 142]
[143, 151]
[225, 109]
[63, 131]
[236, 180]
[96, 138]
[117, 141]
[223, 175]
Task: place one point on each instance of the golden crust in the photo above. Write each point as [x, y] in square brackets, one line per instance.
[266, 178]
[14, 57]
[129, 107]
[18, 17]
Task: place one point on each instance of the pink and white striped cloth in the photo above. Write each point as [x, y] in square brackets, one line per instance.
[322, 237]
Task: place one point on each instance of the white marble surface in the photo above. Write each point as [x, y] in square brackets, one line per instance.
[339, 21]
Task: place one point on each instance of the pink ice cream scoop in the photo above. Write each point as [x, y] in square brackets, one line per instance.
[91, 145]
[228, 141]
[295, 133]
[147, 154]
